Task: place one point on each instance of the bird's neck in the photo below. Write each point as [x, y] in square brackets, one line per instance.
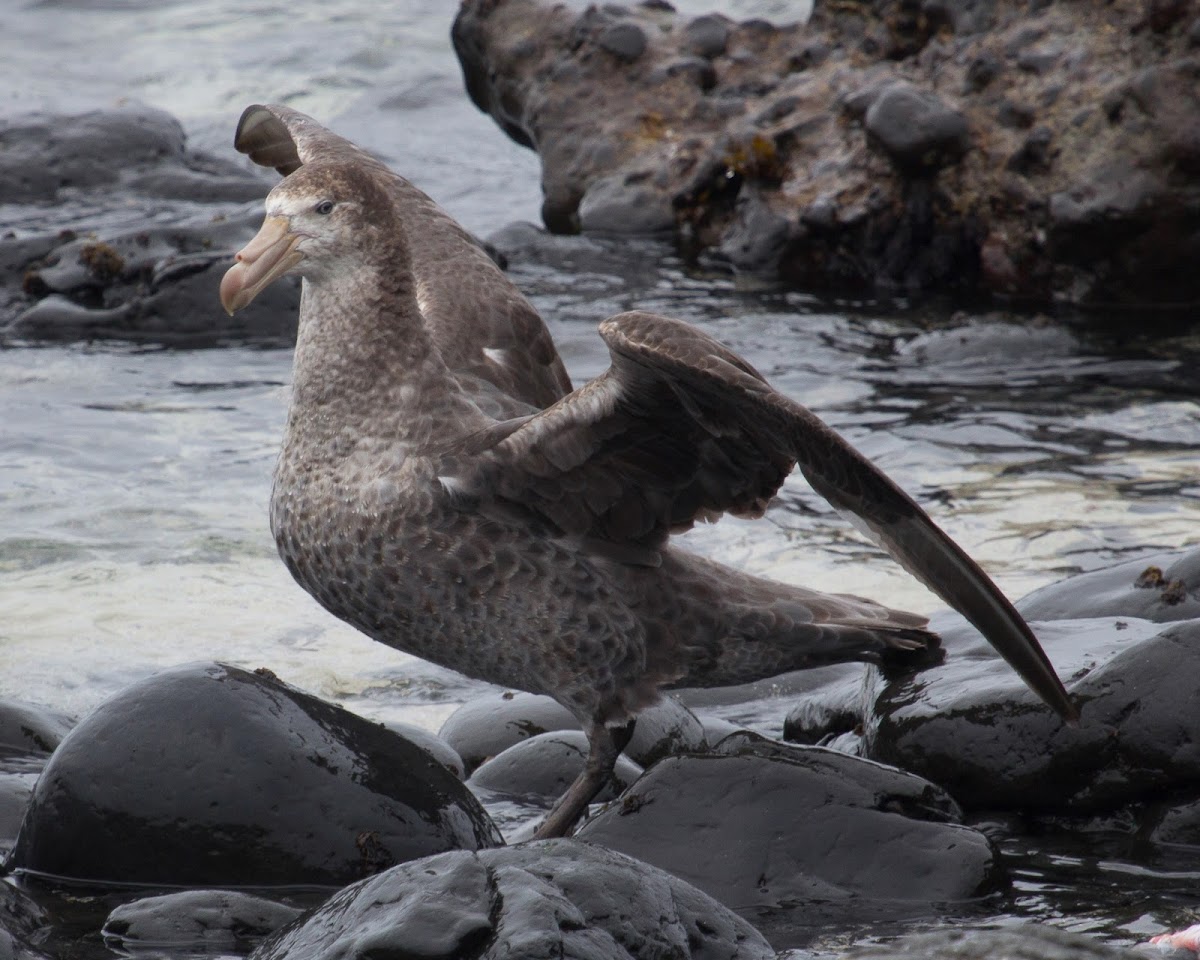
[366, 364]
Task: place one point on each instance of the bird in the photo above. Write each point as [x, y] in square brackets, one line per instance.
[442, 486]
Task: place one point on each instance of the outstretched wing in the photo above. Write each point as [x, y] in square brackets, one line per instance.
[486, 331]
[679, 429]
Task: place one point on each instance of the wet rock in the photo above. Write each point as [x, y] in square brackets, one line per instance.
[916, 129]
[553, 898]
[626, 41]
[1029, 941]
[487, 726]
[208, 774]
[972, 727]
[29, 730]
[15, 792]
[194, 922]
[837, 712]
[663, 730]
[707, 36]
[757, 824]
[1178, 823]
[1035, 154]
[545, 765]
[21, 919]
[756, 239]
[994, 90]
[120, 231]
[1163, 588]
[625, 205]
[432, 744]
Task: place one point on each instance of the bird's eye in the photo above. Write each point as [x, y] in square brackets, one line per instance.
[324, 208]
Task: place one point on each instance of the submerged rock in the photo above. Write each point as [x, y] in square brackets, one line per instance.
[765, 823]
[1045, 152]
[552, 898]
[195, 922]
[1029, 941]
[209, 774]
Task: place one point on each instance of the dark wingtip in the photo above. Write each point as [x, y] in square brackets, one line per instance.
[266, 139]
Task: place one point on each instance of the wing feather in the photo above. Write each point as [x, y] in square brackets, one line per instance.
[681, 429]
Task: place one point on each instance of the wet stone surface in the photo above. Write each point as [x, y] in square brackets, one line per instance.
[489, 725]
[198, 921]
[208, 774]
[1042, 153]
[545, 765]
[992, 745]
[116, 230]
[554, 898]
[1027, 942]
[765, 823]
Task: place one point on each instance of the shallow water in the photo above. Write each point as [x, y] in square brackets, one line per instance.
[133, 482]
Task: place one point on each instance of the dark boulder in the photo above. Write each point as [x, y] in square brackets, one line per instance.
[549, 899]
[917, 130]
[29, 730]
[972, 726]
[488, 725]
[120, 231]
[766, 822]
[545, 765]
[208, 774]
[1045, 152]
[195, 922]
[1162, 588]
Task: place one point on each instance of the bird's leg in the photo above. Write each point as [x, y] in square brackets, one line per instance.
[604, 746]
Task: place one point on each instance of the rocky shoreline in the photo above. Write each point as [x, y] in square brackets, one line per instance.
[1034, 152]
[217, 779]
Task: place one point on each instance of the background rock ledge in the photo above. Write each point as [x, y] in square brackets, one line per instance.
[1042, 152]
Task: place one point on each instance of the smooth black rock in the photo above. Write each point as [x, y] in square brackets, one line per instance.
[545, 765]
[1029, 941]
[195, 921]
[973, 727]
[537, 901]
[488, 725]
[432, 744]
[15, 793]
[1162, 587]
[663, 730]
[29, 730]
[916, 129]
[211, 775]
[776, 823]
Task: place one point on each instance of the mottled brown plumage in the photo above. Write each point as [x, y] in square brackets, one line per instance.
[441, 489]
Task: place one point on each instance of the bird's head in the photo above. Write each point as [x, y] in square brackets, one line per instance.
[319, 220]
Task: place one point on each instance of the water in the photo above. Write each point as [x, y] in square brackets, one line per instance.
[134, 482]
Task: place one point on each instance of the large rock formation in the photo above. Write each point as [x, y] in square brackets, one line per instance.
[1033, 150]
